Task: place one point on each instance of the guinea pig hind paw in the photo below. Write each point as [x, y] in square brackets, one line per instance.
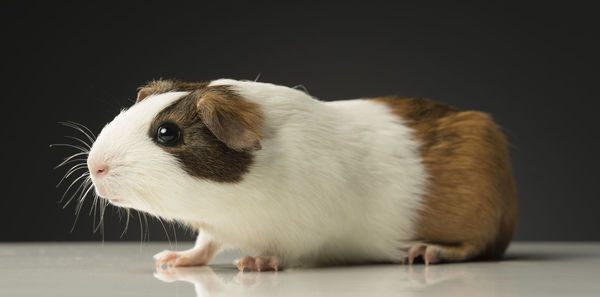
[436, 253]
[260, 263]
[429, 253]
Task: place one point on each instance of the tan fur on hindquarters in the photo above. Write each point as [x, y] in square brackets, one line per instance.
[470, 210]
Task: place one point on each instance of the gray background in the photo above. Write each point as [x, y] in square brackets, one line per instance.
[533, 67]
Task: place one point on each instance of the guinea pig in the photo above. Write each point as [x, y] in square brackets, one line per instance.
[301, 182]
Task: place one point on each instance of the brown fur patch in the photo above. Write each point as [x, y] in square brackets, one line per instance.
[472, 199]
[230, 118]
[163, 86]
[219, 130]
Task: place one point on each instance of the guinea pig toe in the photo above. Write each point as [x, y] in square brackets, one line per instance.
[245, 262]
[432, 255]
[269, 263]
[416, 251]
[165, 257]
[260, 263]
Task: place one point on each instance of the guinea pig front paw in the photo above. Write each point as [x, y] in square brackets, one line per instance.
[260, 263]
[176, 259]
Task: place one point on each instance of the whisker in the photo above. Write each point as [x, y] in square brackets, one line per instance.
[85, 174]
[166, 233]
[85, 194]
[83, 184]
[70, 158]
[103, 204]
[77, 160]
[101, 208]
[77, 127]
[87, 145]
[77, 212]
[147, 227]
[85, 128]
[141, 230]
[128, 214]
[303, 88]
[71, 171]
[93, 208]
[80, 205]
[69, 145]
[84, 187]
[75, 221]
[174, 234]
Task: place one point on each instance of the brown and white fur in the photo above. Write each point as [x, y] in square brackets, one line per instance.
[302, 182]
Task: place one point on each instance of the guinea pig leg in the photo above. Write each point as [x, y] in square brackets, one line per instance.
[203, 251]
[260, 263]
[436, 253]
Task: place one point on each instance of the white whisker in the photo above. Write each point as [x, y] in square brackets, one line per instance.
[70, 158]
[84, 175]
[70, 145]
[174, 234]
[92, 135]
[101, 208]
[166, 233]
[83, 184]
[79, 127]
[147, 237]
[141, 230]
[303, 88]
[128, 213]
[80, 205]
[87, 145]
[93, 208]
[71, 171]
[85, 193]
[77, 160]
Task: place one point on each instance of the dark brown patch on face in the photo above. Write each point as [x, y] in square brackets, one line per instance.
[219, 131]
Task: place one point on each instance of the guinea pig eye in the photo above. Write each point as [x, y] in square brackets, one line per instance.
[168, 134]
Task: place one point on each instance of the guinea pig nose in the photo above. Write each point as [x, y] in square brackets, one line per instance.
[99, 170]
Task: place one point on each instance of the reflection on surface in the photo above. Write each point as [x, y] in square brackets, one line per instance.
[374, 280]
[123, 269]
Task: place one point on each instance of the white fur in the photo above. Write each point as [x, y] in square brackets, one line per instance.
[334, 182]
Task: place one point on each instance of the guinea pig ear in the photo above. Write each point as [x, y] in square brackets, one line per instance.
[234, 120]
[154, 87]
[143, 93]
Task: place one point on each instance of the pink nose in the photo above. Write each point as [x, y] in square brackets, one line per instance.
[98, 170]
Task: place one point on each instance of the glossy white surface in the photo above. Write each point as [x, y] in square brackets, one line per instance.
[127, 269]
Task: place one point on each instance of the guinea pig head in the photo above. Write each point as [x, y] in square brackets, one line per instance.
[175, 141]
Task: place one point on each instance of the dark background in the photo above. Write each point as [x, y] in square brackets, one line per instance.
[533, 67]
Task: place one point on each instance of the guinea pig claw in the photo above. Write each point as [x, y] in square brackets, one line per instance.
[260, 263]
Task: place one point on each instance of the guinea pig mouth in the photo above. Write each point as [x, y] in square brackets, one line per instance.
[103, 192]
[100, 190]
